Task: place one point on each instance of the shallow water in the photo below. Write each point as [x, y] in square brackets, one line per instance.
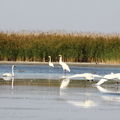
[46, 72]
[38, 98]
[51, 103]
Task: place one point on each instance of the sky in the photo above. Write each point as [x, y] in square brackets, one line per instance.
[101, 16]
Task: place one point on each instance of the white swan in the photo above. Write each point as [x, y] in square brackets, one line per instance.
[9, 76]
[50, 63]
[88, 76]
[111, 76]
[65, 67]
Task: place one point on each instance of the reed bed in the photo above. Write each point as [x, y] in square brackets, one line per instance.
[75, 47]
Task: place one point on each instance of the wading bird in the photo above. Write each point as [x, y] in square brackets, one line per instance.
[50, 63]
[65, 67]
[87, 76]
[111, 76]
[9, 76]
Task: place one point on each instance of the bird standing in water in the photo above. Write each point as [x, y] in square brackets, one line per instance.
[65, 67]
[50, 63]
[9, 76]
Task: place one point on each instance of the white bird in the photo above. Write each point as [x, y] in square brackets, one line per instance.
[50, 63]
[111, 76]
[9, 76]
[101, 82]
[88, 76]
[65, 67]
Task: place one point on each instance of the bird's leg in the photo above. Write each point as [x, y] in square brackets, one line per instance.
[117, 83]
[49, 76]
[12, 83]
[65, 73]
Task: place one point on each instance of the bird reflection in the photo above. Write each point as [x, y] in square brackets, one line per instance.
[64, 83]
[109, 95]
[86, 103]
[10, 79]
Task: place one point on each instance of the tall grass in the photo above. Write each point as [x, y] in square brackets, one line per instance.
[75, 47]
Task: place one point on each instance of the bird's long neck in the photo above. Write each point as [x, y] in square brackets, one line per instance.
[12, 70]
[49, 59]
[60, 60]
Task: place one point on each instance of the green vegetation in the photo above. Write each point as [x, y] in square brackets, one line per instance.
[74, 47]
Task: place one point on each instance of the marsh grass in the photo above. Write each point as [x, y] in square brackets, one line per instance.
[75, 47]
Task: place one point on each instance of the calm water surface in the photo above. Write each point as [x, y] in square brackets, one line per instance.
[35, 101]
[51, 103]
[46, 72]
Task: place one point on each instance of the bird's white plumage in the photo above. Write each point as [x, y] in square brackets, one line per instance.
[66, 81]
[9, 76]
[101, 82]
[88, 76]
[63, 64]
[112, 76]
[50, 63]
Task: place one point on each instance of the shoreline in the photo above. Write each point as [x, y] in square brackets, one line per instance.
[83, 64]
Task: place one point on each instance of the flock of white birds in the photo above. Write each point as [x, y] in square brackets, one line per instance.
[87, 76]
[66, 80]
